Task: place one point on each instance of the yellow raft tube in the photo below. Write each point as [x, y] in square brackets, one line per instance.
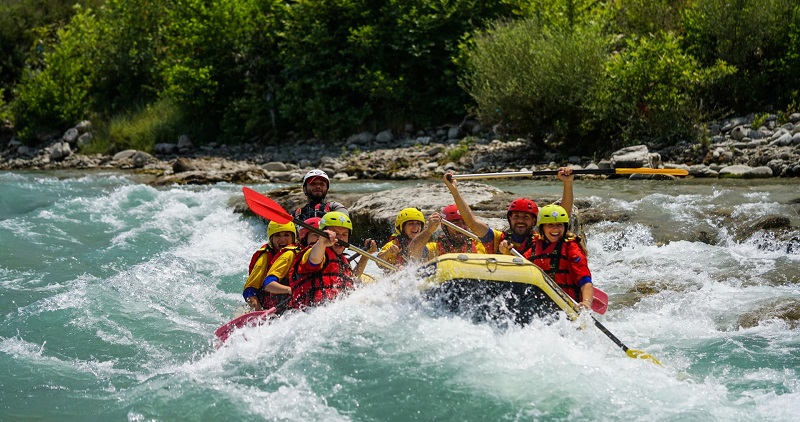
[493, 287]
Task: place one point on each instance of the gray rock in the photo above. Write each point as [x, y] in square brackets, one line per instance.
[60, 150]
[84, 126]
[734, 171]
[165, 148]
[184, 142]
[274, 166]
[362, 138]
[124, 155]
[84, 139]
[385, 137]
[70, 136]
[140, 158]
[759, 172]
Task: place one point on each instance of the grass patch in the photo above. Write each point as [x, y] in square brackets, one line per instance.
[140, 130]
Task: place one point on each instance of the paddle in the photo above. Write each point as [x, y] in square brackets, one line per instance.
[641, 170]
[249, 319]
[270, 210]
[600, 302]
[632, 353]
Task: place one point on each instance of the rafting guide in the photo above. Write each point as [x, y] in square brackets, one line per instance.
[315, 185]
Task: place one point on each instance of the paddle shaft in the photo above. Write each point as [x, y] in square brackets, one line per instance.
[313, 229]
[271, 210]
[598, 306]
[629, 352]
[641, 170]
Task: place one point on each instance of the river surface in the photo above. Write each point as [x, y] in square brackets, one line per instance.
[110, 291]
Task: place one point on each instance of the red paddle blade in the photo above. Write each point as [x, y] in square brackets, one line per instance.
[266, 207]
[600, 303]
[248, 319]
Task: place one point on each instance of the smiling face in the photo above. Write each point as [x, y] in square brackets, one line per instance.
[281, 239]
[412, 228]
[552, 231]
[316, 189]
[521, 222]
[342, 233]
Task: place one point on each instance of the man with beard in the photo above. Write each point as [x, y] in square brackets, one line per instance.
[521, 216]
[315, 186]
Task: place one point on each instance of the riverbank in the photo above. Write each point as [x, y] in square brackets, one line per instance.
[733, 149]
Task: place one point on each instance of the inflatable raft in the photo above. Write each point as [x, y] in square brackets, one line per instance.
[493, 287]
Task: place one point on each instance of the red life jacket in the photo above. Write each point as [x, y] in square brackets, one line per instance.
[265, 249]
[445, 246]
[555, 260]
[402, 241]
[526, 245]
[324, 284]
[267, 299]
[308, 211]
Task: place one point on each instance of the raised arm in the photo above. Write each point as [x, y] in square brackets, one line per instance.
[417, 245]
[476, 226]
[371, 247]
[565, 175]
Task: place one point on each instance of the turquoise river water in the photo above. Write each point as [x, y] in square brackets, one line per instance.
[110, 291]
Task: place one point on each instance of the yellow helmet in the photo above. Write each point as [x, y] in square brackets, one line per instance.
[553, 214]
[335, 219]
[274, 227]
[405, 215]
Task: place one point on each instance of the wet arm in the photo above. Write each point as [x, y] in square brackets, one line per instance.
[476, 226]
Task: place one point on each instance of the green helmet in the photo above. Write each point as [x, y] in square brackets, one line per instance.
[335, 219]
[408, 214]
[553, 214]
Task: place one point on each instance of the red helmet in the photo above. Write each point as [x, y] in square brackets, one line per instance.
[313, 222]
[450, 213]
[522, 205]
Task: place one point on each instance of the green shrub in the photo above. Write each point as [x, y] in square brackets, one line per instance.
[759, 37]
[534, 78]
[56, 96]
[353, 65]
[140, 130]
[651, 92]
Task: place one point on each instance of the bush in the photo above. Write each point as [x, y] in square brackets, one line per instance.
[758, 37]
[56, 96]
[139, 130]
[354, 65]
[651, 92]
[534, 78]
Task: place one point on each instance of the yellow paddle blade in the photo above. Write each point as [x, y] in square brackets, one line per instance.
[644, 170]
[640, 354]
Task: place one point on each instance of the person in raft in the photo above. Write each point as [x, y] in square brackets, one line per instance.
[269, 267]
[521, 216]
[407, 225]
[324, 270]
[561, 254]
[449, 242]
[315, 185]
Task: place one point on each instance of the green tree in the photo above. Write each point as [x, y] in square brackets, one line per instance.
[535, 78]
[758, 37]
[651, 91]
[358, 64]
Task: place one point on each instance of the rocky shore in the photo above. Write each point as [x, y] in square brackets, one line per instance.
[733, 149]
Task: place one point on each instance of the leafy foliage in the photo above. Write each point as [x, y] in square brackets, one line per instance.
[650, 92]
[358, 64]
[758, 37]
[533, 78]
[57, 95]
